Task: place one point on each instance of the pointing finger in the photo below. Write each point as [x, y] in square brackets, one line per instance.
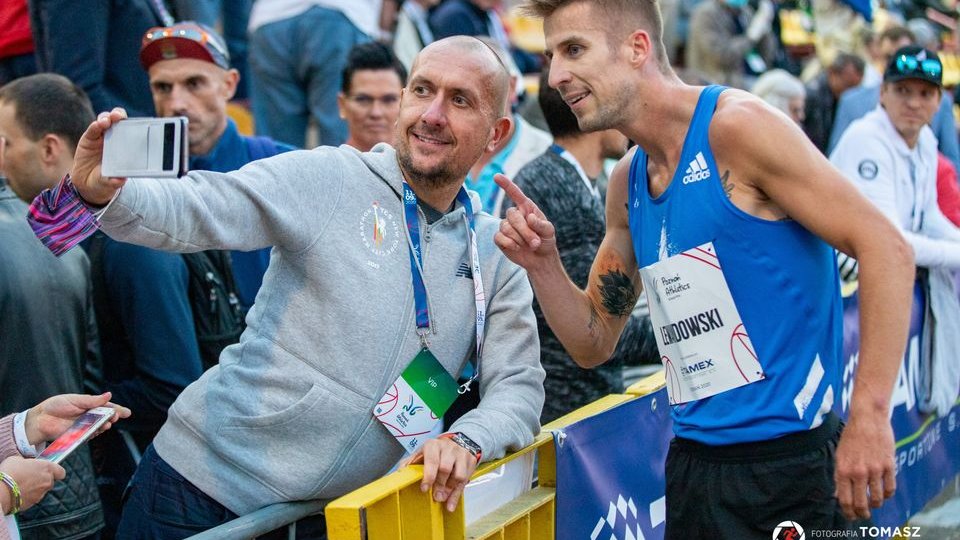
[512, 190]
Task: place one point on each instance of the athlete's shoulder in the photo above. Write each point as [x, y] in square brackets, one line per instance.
[741, 112]
[744, 127]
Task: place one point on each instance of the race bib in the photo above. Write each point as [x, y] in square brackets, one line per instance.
[703, 344]
[415, 403]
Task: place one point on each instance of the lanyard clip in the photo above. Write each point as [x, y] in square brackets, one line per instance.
[422, 332]
[465, 387]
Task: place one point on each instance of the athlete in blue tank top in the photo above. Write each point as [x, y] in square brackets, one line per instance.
[797, 339]
[726, 213]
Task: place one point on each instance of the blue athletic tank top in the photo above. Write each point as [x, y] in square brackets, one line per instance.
[782, 278]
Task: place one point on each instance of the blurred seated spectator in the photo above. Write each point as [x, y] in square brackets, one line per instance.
[783, 91]
[479, 18]
[95, 44]
[16, 43]
[858, 101]
[369, 99]
[413, 30]
[729, 43]
[47, 332]
[297, 52]
[845, 72]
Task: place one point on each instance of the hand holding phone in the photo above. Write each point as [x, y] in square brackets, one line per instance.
[53, 416]
[81, 431]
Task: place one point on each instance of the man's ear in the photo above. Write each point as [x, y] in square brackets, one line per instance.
[230, 82]
[499, 130]
[342, 104]
[52, 149]
[641, 48]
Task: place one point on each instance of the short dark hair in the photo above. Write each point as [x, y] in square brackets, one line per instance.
[372, 56]
[560, 119]
[626, 14]
[47, 103]
[843, 60]
[897, 33]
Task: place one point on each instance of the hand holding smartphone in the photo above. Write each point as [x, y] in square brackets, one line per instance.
[80, 432]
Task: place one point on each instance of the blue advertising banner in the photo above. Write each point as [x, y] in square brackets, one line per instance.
[927, 447]
[610, 480]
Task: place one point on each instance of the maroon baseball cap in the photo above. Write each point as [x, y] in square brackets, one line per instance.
[183, 40]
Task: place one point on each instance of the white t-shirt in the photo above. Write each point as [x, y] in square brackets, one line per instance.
[364, 14]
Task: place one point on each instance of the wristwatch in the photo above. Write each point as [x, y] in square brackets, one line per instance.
[466, 443]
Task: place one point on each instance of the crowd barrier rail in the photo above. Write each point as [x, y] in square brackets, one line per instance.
[394, 508]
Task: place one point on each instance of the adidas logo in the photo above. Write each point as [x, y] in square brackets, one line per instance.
[697, 170]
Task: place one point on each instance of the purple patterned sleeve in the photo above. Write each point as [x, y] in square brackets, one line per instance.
[60, 218]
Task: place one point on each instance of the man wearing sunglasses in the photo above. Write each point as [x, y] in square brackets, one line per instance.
[891, 155]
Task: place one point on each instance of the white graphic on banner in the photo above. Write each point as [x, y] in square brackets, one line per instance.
[627, 511]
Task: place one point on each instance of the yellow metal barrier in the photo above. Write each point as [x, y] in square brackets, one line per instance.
[393, 508]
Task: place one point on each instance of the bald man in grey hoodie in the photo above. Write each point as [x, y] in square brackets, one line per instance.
[288, 414]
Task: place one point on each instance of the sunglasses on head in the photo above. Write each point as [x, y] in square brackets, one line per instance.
[193, 34]
[928, 66]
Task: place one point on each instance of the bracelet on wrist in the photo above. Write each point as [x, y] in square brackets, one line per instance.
[14, 490]
[466, 443]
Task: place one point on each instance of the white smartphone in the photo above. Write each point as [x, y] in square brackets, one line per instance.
[146, 147]
[79, 433]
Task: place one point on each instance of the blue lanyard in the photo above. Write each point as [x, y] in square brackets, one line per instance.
[420, 299]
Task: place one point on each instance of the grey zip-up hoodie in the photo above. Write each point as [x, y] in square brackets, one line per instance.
[287, 414]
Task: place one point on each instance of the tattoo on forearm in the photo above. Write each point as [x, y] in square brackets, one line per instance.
[617, 292]
[727, 184]
[593, 327]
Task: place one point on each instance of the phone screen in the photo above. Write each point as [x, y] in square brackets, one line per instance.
[79, 432]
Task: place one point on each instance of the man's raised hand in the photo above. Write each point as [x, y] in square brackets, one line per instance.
[526, 237]
[85, 173]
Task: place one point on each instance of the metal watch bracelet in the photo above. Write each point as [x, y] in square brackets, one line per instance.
[466, 443]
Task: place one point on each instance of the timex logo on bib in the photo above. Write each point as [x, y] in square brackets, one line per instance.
[697, 170]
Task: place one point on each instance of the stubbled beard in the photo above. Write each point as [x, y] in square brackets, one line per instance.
[438, 177]
[607, 117]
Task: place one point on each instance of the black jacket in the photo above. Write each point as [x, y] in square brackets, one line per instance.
[47, 338]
